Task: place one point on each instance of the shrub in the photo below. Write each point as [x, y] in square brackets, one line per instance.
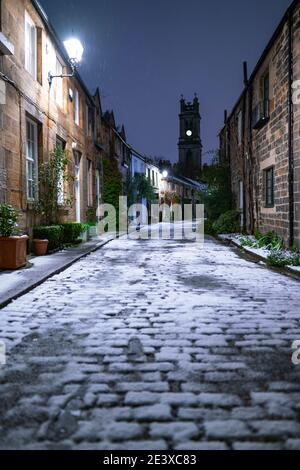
[217, 197]
[8, 220]
[71, 232]
[228, 222]
[208, 227]
[52, 176]
[91, 217]
[245, 241]
[270, 241]
[53, 233]
[281, 258]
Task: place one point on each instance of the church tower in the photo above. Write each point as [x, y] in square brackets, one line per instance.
[190, 146]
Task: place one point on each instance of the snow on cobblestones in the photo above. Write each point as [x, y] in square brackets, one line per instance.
[153, 345]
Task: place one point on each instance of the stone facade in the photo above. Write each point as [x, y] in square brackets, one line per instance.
[261, 139]
[190, 145]
[64, 111]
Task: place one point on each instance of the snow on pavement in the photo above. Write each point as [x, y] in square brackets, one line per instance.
[155, 344]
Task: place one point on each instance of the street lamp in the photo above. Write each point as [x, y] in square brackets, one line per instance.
[165, 174]
[75, 51]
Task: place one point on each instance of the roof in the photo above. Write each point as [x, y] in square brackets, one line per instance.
[187, 182]
[59, 44]
[265, 52]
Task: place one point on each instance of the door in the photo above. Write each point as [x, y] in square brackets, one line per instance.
[242, 203]
[98, 194]
[77, 157]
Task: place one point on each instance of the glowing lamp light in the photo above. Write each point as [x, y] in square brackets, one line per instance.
[165, 174]
[74, 49]
[189, 133]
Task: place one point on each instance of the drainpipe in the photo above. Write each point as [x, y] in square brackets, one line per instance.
[290, 130]
[245, 164]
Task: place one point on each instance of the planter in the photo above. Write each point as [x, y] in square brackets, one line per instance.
[13, 252]
[93, 231]
[40, 247]
[84, 236]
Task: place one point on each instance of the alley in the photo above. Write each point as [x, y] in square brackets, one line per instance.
[153, 345]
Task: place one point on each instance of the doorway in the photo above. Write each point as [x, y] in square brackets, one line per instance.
[77, 157]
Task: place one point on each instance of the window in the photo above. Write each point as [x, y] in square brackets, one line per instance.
[61, 190]
[90, 183]
[31, 158]
[265, 94]
[149, 174]
[59, 84]
[269, 187]
[30, 46]
[76, 107]
[87, 120]
[240, 128]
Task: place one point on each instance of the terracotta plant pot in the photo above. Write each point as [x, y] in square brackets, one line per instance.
[13, 252]
[40, 247]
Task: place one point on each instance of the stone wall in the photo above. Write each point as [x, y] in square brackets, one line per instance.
[268, 145]
[28, 97]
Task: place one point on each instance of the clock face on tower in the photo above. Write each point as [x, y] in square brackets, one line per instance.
[189, 133]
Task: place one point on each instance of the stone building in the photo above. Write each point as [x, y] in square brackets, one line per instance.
[35, 117]
[180, 190]
[261, 139]
[190, 145]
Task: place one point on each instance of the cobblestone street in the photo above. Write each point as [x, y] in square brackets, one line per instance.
[153, 345]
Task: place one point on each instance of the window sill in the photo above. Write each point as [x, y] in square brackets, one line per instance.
[31, 203]
[268, 210]
[6, 47]
[261, 123]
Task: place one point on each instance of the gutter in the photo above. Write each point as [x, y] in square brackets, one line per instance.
[290, 129]
[276, 33]
[50, 29]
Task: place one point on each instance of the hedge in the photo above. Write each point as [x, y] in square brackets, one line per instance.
[52, 233]
[71, 232]
[229, 222]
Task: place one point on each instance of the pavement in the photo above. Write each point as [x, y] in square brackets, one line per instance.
[153, 345]
[15, 283]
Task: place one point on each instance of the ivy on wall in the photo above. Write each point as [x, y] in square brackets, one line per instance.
[112, 182]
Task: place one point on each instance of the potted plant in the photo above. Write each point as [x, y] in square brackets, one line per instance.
[40, 247]
[13, 248]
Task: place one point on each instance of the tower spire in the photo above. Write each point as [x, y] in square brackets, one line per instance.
[190, 146]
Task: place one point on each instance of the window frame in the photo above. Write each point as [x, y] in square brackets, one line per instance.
[61, 197]
[90, 183]
[269, 191]
[32, 60]
[76, 107]
[32, 195]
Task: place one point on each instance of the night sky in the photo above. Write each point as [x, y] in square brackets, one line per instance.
[144, 54]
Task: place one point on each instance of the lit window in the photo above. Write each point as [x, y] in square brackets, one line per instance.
[90, 183]
[87, 121]
[30, 46]
[31, 158]
[61, 190]
[76, 107]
